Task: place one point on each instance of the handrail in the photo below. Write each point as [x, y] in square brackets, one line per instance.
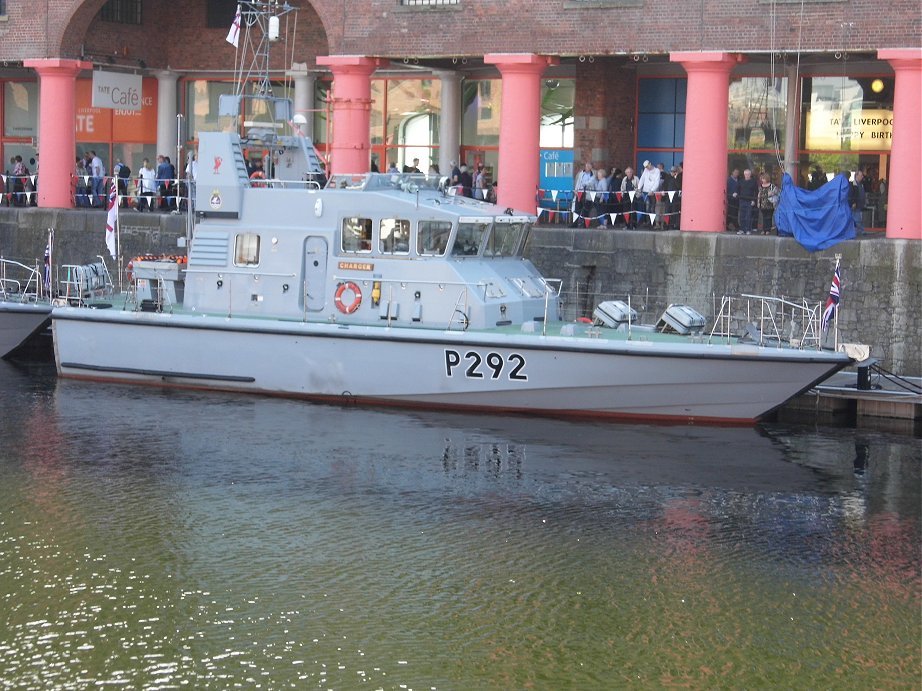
[27, 289]
[774, 320]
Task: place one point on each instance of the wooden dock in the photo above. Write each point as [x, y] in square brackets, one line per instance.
[886, 398]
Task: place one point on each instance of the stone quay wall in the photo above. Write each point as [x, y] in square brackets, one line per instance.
[881, 279]
[881, 303]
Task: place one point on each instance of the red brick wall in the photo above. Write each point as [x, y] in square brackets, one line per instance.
[475, 27]
[604, 112]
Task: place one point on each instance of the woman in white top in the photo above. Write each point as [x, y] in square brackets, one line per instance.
[148, 185]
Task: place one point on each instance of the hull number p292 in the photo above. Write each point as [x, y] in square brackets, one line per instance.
[475, 365]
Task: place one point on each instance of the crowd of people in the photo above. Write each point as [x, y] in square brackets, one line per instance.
[621, 198]
[752, 200]
[751, 203]
[150, 189]
[20, 182]
[606, 198]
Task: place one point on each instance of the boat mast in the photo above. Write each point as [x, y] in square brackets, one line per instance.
[260, 21]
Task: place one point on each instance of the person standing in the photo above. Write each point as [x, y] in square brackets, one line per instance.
[147, 179]
[768, 200]
[97, 180]
[650, 181]
[20, 173]
[585, 181]
[629, 197]
[749, 192]
[82, 190]
[467, 182]
[165, 174]
[857, 200]
[600, 208]
[480, 185]
[733, 200]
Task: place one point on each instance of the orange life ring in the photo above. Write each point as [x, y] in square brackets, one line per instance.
[257, 179]
[356, 300]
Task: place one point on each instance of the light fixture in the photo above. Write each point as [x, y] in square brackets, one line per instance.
[877, 86]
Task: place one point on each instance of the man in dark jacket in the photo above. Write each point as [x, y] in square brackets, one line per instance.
[749, 192]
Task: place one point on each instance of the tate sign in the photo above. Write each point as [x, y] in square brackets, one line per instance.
[116, 90]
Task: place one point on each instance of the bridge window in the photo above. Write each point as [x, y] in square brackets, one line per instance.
[395, 236]
[246, 250]
[470, 235]
[356, 234]
[432, 237]
[504, 240]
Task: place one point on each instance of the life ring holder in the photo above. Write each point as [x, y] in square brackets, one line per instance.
[356, 300]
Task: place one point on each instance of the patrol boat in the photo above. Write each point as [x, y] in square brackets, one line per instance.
[390, 290]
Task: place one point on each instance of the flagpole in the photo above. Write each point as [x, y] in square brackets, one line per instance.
[835, 333]
[118, 236]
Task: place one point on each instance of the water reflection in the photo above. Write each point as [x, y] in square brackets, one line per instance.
[157, 538]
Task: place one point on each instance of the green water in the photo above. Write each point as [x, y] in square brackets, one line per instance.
[161, 540]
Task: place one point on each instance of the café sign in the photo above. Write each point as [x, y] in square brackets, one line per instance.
[116, 90]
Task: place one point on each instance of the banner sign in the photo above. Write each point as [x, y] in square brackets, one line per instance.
[116, 90]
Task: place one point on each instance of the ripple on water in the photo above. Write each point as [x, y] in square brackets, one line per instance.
[213, 541]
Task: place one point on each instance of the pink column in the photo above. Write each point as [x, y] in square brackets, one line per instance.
[704, 181]
[57, 142]
[519, 127]
[904, 203]
[351, 146]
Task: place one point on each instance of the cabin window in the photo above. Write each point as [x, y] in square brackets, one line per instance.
[356, 235]
[432, 237]
[394, 236]
[504, 240]
[469, 238]
[246, 250]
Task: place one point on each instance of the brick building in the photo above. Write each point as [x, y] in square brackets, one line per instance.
[527, 87]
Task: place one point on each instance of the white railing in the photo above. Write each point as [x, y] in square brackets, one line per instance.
[81, 282]
[767, 321]
[20, 283]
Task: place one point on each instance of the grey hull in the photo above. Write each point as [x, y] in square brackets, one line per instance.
[19, 321]
[556, 375]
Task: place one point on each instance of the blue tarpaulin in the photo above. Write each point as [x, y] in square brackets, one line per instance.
[816, 218]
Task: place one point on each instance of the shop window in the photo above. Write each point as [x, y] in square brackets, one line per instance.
[356, 235]
[394, 236]
[20, 109]
[246, 250]
[2, 8]
[557, 99]
[409, 110]
[481, 105]
[432, 237]
[121, 12]
[203, 100]
[661, 121]
[756, 114]
[847, 114]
